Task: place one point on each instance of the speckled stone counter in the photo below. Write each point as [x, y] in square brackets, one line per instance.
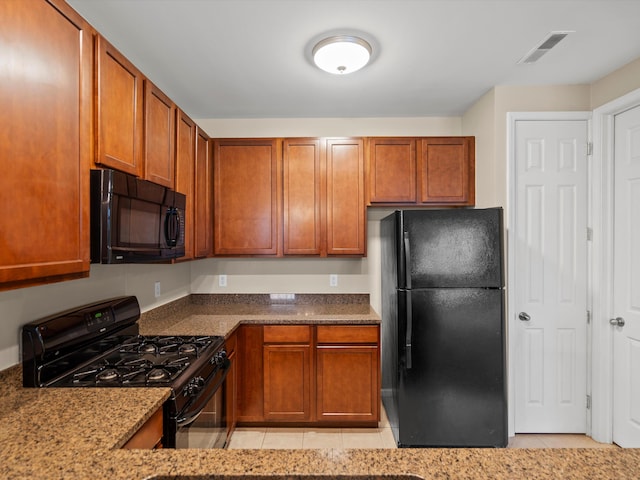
[76, 433]
[221, 314]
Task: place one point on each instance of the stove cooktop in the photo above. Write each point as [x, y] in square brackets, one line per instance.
[140, 361]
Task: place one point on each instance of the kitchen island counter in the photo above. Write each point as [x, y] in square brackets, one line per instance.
[77, 434]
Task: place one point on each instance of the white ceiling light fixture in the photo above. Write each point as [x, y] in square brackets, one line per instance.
[341, 54]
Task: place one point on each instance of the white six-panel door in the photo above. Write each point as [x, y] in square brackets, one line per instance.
[626, 280]
[550, 273]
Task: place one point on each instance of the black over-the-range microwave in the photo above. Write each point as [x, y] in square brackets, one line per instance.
[134, 220]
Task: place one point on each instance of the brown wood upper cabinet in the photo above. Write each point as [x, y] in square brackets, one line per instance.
[159, 136]
[247, 196]
[45, 143]
[297, 196]
[185, 176]
[304, 168]
[203, 222]
[430, 171]
[119, 96]
[346, 211]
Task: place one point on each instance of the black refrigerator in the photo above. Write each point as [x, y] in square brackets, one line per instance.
[443, 327]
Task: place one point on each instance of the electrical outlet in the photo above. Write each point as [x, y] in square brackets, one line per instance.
[282, 296]
[157, 289]
[222, 280]
[333, 280]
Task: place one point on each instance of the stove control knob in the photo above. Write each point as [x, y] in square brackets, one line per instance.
[219, 358]
[194, 386]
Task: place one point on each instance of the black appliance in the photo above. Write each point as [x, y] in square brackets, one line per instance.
[134, 220]
[98, 345]
[443, 328]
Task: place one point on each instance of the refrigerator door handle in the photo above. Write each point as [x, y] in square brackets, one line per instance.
[407, 260]
[409, 334]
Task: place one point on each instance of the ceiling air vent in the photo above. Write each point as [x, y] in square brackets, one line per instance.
[544, 46]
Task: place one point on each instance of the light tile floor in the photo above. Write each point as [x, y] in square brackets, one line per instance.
[543, 440]
[381, 437]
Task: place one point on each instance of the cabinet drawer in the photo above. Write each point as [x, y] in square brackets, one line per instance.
[347, 333]
[287, 333]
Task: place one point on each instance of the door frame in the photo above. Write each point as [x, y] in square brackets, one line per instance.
[512, 118]
[603, 236]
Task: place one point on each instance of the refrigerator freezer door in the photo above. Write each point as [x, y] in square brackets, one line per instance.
[454, 394]
[453, 248]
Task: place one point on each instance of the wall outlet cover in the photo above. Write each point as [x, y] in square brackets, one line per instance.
[222, 280]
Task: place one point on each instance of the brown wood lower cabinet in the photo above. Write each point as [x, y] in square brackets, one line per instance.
[149, 436]
[309, 374]
[348, 373]
[231, 386]
[347, 383]
[287, 372]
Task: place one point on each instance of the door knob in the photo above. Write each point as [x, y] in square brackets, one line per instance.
[524, 316]
[618, 321]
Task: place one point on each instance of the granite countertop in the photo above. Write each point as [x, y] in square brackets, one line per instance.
[221, 314]
[77, 433]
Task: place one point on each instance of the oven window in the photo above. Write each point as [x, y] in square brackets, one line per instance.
[208, 430]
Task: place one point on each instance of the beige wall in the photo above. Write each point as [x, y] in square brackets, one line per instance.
[479, 121]
[21, 306]
[487, 120]
[331, 127]
[616, 84]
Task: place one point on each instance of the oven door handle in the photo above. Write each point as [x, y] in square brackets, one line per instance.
[192, 414]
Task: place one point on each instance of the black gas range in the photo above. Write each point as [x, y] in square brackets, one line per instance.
[99, 345]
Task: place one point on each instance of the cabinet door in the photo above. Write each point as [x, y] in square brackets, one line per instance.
[159, 136]
[250, 374]
[346, 233]
[392, 171]
[185, 168]
[45, 142]
[447, 171]
[303, 183]
[247, 193]
[348, 383]
[119, 115]
[287, 382]
[203, 196]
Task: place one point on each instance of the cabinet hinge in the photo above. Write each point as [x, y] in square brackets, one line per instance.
[589, 234]
[589, 149]
[588, 317]
[588, 402]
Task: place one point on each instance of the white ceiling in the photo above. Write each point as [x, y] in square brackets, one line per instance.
[251, 58]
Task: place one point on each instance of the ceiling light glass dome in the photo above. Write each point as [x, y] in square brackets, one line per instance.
[341, 54]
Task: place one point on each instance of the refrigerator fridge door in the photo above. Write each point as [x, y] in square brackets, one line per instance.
[454, 394]
[450, 248]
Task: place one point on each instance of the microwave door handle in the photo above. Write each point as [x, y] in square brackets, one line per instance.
[172, 226]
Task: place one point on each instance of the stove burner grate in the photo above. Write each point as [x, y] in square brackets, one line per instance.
[108, 375]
